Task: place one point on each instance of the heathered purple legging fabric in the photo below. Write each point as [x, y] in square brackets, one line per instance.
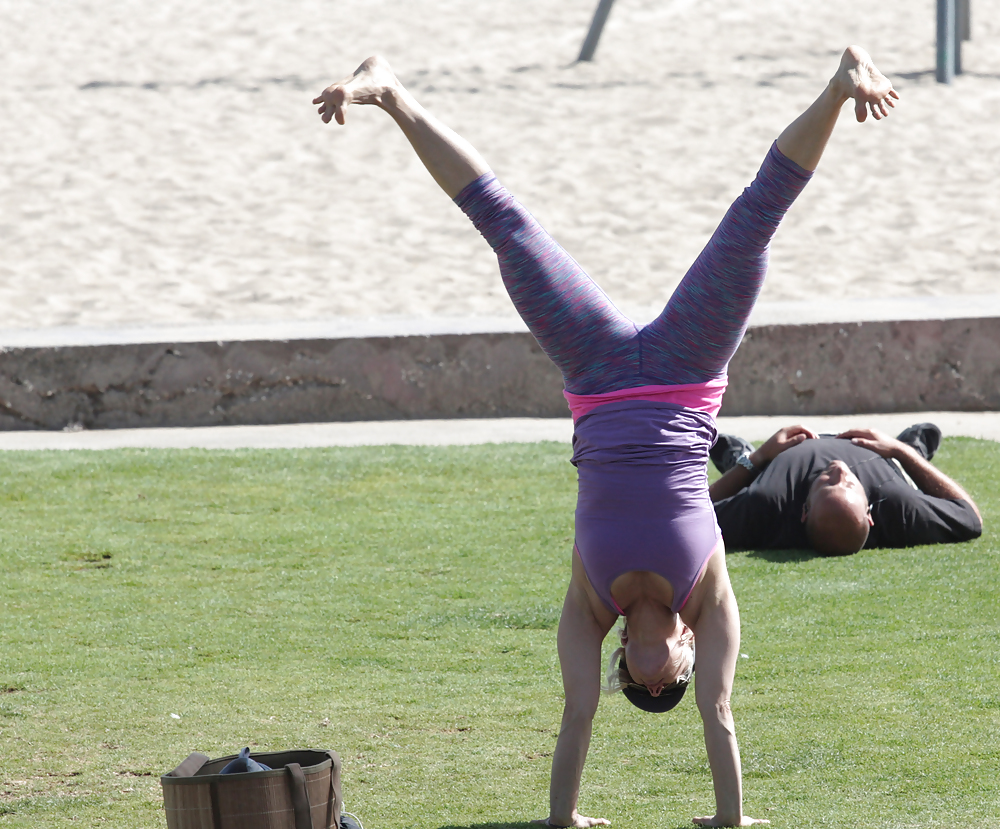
[596, 347]
[643, 499]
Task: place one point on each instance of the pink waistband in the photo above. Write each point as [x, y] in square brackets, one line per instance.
[702, 397]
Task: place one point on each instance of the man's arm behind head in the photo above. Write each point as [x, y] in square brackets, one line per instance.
[929, 479]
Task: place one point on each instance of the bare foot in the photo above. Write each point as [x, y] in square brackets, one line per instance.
[370, 84]
[714, 821]
[858, 78]
[579, 822]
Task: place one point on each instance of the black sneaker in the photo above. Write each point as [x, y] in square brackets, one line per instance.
[727, 449]
[924, 437]
[349, 821]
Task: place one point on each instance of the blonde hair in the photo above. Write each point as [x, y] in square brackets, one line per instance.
[615, 679]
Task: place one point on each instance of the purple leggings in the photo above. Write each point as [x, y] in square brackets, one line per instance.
[596, 347]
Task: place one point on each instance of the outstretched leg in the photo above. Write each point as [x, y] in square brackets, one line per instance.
[804, 140]
[450, 159]
[698, 332]
[573, 320]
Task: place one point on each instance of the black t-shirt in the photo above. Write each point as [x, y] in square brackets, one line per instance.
[768, 513]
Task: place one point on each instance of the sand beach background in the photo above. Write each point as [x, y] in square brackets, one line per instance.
[161, 163]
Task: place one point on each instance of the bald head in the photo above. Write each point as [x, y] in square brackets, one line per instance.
[837, 526]
[836, 513]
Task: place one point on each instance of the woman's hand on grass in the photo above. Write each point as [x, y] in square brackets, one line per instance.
[715, 820]
[579, 822]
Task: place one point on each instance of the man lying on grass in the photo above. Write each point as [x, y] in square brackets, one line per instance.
[838, 494]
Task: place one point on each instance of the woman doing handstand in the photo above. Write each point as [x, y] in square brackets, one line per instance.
[644, 401]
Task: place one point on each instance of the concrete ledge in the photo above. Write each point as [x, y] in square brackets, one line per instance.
[905, 366]
[96, 380]
[239, 383]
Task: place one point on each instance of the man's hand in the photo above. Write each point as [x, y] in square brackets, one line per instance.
[781, 440]
[878, 442]
[929, 479]
[738, 478]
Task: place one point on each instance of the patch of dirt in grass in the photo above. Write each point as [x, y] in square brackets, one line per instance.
[47, 784]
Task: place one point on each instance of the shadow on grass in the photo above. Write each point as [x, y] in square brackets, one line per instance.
[784, 556]
[523, 825]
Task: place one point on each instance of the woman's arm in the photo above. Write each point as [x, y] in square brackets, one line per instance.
[580, 637]
[717, 634]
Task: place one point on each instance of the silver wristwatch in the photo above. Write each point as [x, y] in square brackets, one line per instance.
[744, 461]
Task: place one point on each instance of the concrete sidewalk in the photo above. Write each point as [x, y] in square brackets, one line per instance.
[455, 432]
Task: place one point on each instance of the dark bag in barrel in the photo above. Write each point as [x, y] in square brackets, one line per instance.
[302, 791]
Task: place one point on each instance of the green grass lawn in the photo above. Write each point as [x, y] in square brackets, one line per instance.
[400, 604]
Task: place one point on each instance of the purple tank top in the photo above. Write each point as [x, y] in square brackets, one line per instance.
[643, 500]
